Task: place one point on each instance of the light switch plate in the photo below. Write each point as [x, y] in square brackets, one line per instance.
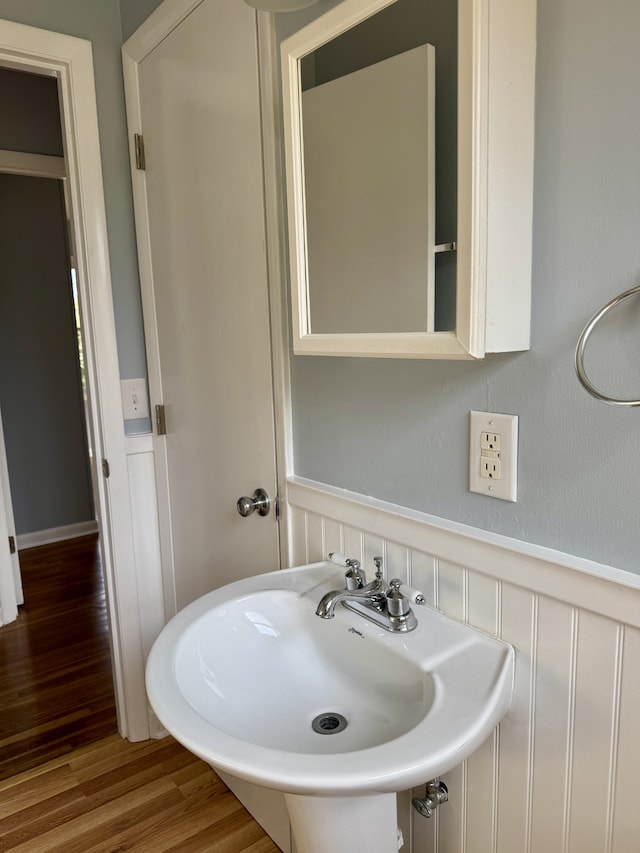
[135, 400]
[493, 455]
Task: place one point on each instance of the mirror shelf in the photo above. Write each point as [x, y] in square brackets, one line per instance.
[494, 196]
[383, 345]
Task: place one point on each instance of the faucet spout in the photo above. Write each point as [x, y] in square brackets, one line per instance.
[373, 593]
[379, 602]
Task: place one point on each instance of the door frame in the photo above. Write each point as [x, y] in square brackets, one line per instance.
[10, 579]
[70, 61]
[149, 35]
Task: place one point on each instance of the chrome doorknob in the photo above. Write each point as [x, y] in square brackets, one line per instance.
[260, 503]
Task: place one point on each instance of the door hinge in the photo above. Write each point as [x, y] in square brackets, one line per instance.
[161, 421]
[138, 143]
[12, 545]
[106, 471]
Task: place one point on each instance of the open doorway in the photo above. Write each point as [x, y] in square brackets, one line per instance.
[69, 61]
[60, 646]
[42, 377]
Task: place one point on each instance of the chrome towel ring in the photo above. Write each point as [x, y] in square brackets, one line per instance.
[582, 343]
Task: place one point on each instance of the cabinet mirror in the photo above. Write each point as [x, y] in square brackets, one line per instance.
[408, 131]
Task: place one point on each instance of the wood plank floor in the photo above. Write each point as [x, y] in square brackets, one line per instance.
[71, 783]
[56, 686]
[115, 796]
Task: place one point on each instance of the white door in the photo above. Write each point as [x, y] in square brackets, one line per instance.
[10, 580]
[206, 305]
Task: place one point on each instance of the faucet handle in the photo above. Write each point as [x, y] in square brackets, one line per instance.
[354, 577]
[341, 559]
[382, 584]
[397, 604]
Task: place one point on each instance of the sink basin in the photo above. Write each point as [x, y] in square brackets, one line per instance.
[240, 676]
[281, 660]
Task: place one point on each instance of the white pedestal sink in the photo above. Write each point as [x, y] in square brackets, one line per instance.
[323, 824]
[252, 681]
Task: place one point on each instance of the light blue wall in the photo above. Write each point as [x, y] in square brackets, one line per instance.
[133, 13]
[40, 385]
[99, 22]
[398, 430]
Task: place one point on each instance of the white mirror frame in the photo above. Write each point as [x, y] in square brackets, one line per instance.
[496, 80]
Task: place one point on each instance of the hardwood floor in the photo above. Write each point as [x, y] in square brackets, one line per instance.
[56, 687]
[71, 783]
[115, 796]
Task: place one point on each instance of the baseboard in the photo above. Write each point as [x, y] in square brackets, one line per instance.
[56, 534]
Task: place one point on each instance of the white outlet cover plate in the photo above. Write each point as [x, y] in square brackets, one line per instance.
[506, 426]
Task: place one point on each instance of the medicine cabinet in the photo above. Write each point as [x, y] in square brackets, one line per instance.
[408, 129]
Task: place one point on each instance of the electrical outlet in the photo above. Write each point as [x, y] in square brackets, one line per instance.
[493, 455]
[490, 441]
[490, 467]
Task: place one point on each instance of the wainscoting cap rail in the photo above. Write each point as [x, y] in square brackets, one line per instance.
[603, 589]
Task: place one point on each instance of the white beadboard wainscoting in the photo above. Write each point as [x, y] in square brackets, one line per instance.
[146, 537]
[146, 554]
[561, 773]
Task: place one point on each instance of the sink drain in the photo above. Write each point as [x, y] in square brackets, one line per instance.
[329, 724]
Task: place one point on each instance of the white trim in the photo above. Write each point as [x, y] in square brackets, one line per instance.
[160, 23]
[603, 589]
[150, 34]
[56, 534]
[383, 345]
[142, 443]
[495, 91]
[11, 594]
[70, 60]
[146, 543]
[33, 165]
[275, 227]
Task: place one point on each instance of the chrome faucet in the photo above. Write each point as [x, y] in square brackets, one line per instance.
[378, 601]
[372, 593]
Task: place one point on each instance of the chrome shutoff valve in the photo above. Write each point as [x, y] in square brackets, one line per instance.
[435, 795]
